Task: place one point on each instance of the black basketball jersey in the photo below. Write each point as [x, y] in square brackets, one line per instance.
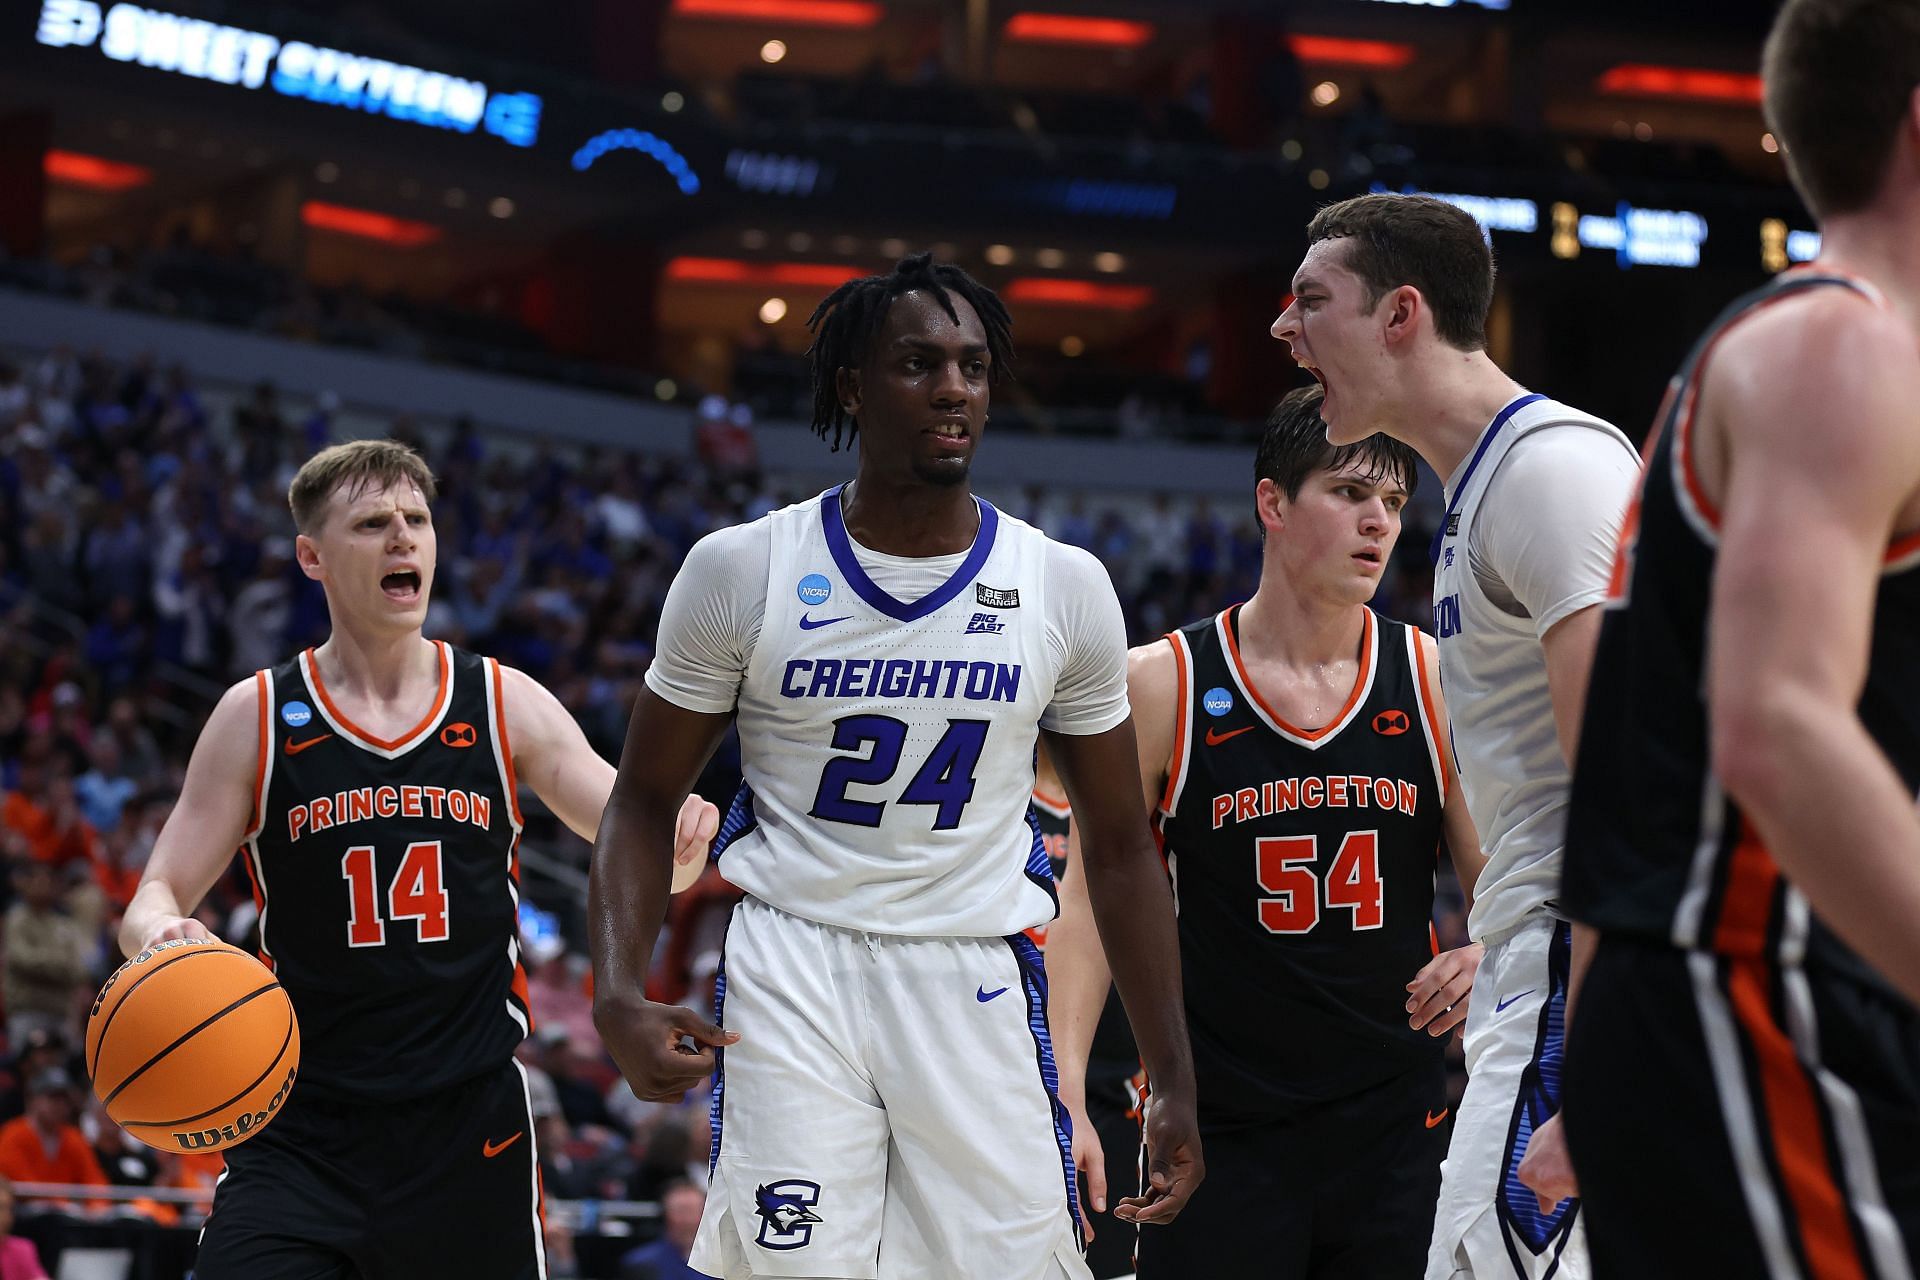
[1654, 846]
[1112, 1055]
[387, 879]
[1303, 874]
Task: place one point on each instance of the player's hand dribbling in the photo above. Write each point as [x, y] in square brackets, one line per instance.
[1090, 1165]
[1547, 1168]
[171, 928]
[1174, 1164]
[1437, 997]
[646, 1041]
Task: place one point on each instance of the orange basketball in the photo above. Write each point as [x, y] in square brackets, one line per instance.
[192, 1045]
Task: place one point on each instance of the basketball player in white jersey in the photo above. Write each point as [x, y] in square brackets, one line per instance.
[1389, 313]
[885, 1104]
[403, 971]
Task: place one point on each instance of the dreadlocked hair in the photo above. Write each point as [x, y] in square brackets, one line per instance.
[845, 322]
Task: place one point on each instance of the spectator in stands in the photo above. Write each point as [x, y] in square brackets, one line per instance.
[681, 1204]
[257, 620]
[45, 1145]
[105, 788]
[41, 809]
[19, 1260]
[45, 957]
[139, 750]
[41, 1051]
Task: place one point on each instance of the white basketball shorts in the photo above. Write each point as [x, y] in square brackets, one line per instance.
[1488, 1225]
[889, 1111]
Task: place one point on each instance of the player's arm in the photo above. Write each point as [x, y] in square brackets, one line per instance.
[708, 625]
[1077, 975]
[1089, 728]
[553, 758]
[1824, 461]
[1133, 908]
[627, 890]
[1438, 995]
[208, 822]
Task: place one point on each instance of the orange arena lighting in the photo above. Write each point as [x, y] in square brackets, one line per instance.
[99, 174]
[1647, 81]
[736, 271]
[1339, 51]
[368, 225]
[805, 13]
[1049, 291]
[1068, 28]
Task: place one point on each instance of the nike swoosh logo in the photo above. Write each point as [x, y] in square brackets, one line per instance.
[812, 624]
[491, 1149]
[1215, 738]
[295, 748]
[983, 995]
[1433, 1120]
[1510, 999]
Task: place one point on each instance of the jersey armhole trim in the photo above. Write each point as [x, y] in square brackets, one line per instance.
[503, 746]
[1436, 733]
[1695, 504]
[1182, 724]
[263, 756]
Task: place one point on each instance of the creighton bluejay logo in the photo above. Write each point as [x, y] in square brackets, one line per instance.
[786, 1213]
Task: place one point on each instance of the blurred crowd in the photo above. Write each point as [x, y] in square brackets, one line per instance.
[146, 561]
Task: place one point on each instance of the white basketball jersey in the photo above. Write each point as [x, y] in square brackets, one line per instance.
[1493, 671]
[887, 746]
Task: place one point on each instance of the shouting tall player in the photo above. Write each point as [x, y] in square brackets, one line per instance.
[1389, 312]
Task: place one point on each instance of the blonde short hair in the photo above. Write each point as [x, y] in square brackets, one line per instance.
[354, 466]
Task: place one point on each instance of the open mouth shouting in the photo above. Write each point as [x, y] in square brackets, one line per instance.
[401, 585]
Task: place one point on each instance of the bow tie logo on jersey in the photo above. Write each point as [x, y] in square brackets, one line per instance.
[1391, 724]
[459, 735]
[786, 1213]
[985, 624]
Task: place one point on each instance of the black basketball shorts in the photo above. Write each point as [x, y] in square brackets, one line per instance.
[444, 1185]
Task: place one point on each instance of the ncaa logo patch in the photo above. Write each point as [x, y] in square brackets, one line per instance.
[1391, 724]
[814, 589]
[786, 1213]
[296, 714]
[1217, 701]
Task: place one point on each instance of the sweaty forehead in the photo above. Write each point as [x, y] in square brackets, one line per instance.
[1324, 264]
[918, 317]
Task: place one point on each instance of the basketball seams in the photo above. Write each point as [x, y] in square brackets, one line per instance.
[190, 1033]
[99, 1044]
[285, 1042]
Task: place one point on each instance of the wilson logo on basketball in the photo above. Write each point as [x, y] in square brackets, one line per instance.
[459, 735]
[1391, 724]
